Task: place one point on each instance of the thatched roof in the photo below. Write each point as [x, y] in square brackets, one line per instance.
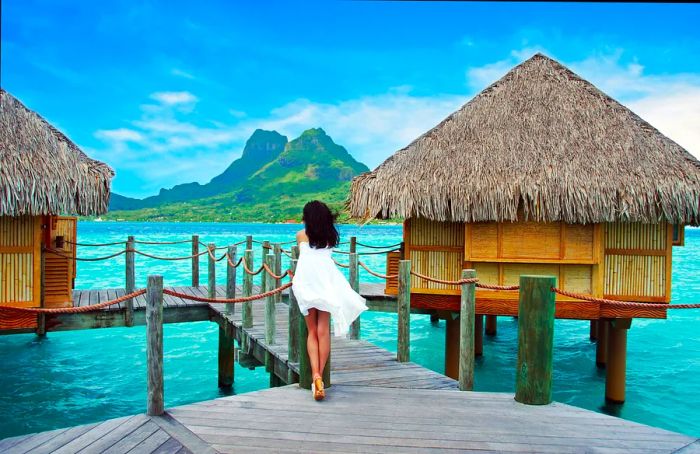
[42, 171]
[541, 142]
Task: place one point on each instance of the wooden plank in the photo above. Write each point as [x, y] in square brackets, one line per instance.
[182, 434]
[91, 436]
[120, 432]
[134, 438]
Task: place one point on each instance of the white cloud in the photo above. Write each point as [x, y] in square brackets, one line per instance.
[120, 135]
[171, 98]
[181, 73]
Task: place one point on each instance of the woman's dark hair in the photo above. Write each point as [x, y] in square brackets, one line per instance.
[319, 224]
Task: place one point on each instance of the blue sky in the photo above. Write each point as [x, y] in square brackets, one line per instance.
[167, 92]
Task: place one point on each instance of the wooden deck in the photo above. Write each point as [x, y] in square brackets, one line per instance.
[360, 419]
[375, 404]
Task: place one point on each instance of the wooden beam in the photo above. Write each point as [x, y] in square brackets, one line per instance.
[154, 345]
[466, 333]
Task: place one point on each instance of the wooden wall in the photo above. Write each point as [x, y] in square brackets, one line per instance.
[617, 260]
[20, 264]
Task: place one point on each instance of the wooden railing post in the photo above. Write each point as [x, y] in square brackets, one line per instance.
[294, 316]
[226, 355]
[265, 250]
[466, 333]
[355, 284]
[303, 334]
[353, 244]
[130, 280]
[154, 345]
[195, 260]
[211, 274]
[403, 352]
[231, 279]
[270, 322]
[277, 249]
[247, 312]
[248, 242]
[533, 381]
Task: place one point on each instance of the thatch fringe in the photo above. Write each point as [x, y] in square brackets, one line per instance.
[42, 171]
[540, 144]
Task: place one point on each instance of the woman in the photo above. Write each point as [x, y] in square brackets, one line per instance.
[321, 290]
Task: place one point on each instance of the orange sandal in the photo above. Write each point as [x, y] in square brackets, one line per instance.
[317, 389]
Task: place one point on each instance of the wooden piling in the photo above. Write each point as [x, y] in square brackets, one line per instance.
[491, 325]
[466, 332]
[452, 345]
[154, 345]
[195, 260]
[304, 364]
[354, 276]
[617, 360]
[41, 318]
[211, 273]
[248, 242]
[403, 351]
[533, 383]
[294, 317]
[479, 335]
[593, 330]
[277, 251]
[231, 279]
[226, 355]
[247, 311]
[130, 280]
[270, 322]
[353, 244]
[601, 348]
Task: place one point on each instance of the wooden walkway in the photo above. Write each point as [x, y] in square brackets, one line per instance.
[375, 404]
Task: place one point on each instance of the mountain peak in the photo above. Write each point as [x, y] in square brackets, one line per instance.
[313, 132]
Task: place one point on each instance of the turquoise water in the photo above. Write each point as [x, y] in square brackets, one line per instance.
[71, 378]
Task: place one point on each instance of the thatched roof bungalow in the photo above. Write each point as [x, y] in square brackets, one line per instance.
[44, 179]
[540, 173]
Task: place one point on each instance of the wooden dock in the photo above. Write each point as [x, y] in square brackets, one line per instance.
[375, 404]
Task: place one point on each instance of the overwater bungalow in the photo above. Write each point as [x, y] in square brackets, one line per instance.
[45, 180]
[540, 173]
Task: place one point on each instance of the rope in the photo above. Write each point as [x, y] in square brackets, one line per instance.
[377, 247]
[608, 302]
[216, 248]
[383, 276]
[167, 258]
[471, 280]
[73, 310]
[228, 258]
[245, 267]
[162, 242]
[82, 259]
[340, 264]
[272, 273]
[242, 299]
[498, 287]
[365, 253]
[95, 244]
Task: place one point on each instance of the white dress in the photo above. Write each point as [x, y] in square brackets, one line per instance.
[318, 283]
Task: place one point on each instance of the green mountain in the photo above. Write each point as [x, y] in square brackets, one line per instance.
[271, 181]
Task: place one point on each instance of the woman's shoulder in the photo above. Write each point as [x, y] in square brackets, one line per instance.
[301, 236]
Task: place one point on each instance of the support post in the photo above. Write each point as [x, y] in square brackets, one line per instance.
[452, 345]
[304, 364]
[294, 317]
[593, 333]
[355, 284]
[211, 274]
[434, 319]
[154, 345]
[601, 348]
[466, 332]
[130, 280]
[265, 250]
[479, 335]
[195, 260]
[41, 318]
[231, 279]
[353, 244]
[247, 312]
[403, 351]
[248, 242]
[491, 325]
[270, 322]
[226, 355]
[533, 381]
[277, 250]
[617, 360]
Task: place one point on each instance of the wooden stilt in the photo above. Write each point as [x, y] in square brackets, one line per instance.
[617, 360]
[270, 313]
[294, 317]
[195, 261]
[466, 333]
[247, 311]
[154, 346]
[434, 319]
[479, 335]
[231, 279]
[403, 350]
[211, 275]
[452, 346]
[594, 330]
[130, 280]
[354, 276]
[601, 348]
[491, 325]
[226, 358]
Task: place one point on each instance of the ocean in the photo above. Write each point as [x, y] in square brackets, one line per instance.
[78, 377]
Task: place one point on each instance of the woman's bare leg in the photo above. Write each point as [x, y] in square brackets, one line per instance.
[312, 341]
[324, 338]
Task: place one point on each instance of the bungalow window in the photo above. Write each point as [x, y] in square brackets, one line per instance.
[678, 235]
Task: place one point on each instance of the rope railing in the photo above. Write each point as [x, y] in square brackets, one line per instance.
[340, 264]
[378, 247]
[336, 251]
[382, 276]
[241, 299]
[228, 258]
[441, 281]
[95, 244]
[609, 302]
[185, 257]
[84, 259]
[162, 242]
[73, 310]
[272, 273]
[247, 270]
